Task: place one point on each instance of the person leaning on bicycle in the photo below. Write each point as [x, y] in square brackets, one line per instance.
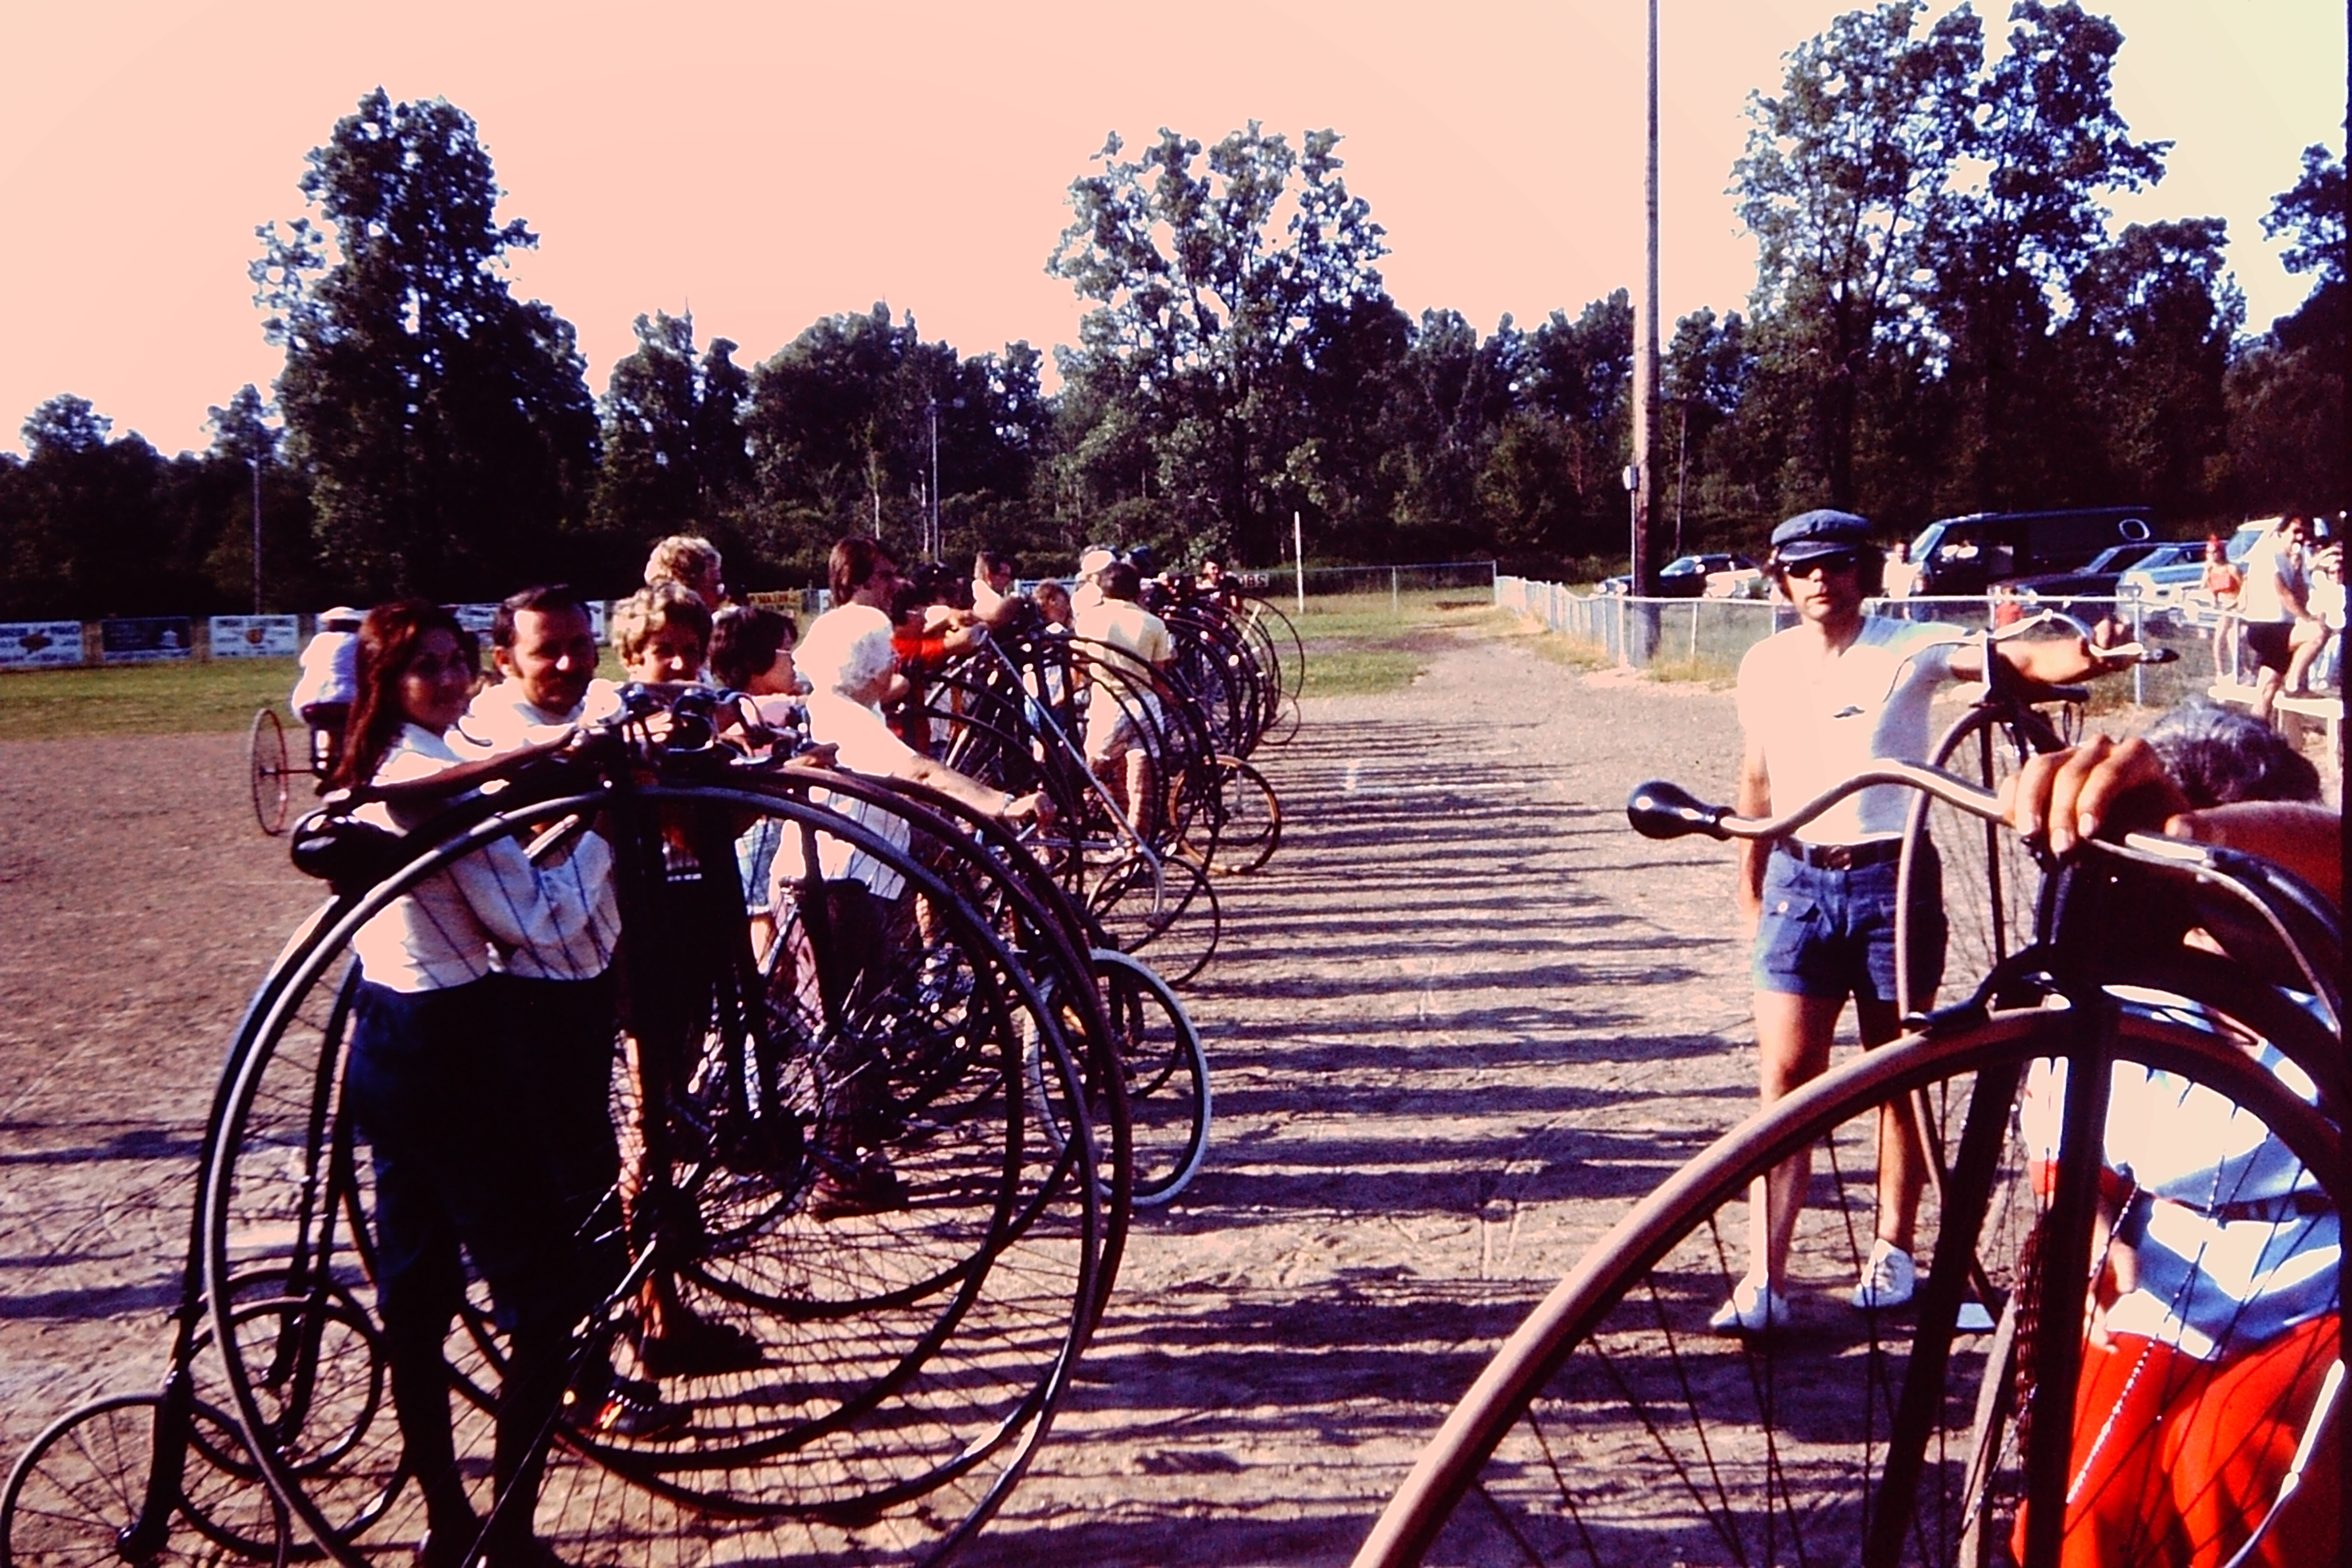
[1819, 702]
[2212, 1324]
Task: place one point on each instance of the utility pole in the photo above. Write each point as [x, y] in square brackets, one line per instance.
[1646, 354]
[255, 464]
[935, 543]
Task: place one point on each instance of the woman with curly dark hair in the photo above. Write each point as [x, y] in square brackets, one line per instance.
[477, 1142]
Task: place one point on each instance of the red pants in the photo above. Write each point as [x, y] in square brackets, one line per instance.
[2177, 1460]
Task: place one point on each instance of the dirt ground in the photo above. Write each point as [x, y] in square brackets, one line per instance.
[1461, 1020]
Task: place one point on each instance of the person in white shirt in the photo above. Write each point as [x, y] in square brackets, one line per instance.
[849, 661]
[1817, 703]
[544, 647]
[1132, 645]
[993, 601]
[326, 683]
[479, 1141]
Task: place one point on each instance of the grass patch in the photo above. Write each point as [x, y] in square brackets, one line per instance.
[1711, 673]
[1579, 654]
[1361, 671]
[1362, 645]
[142, 698]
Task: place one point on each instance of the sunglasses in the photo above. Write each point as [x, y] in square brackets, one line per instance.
[1835, 560]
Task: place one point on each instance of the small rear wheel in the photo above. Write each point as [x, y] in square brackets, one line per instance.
[1173, 918]
[1165, 1071]
[81, 1493]
[269, 777]
[1239, 828]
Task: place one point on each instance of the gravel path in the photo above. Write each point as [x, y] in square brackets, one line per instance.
[1460, 1021]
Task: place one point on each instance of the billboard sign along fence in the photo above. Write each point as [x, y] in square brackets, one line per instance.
[256, 637]
[41, 645]
[146, 639]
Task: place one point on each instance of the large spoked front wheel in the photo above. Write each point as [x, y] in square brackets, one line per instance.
[270, 778]
[894, 1354]
[1616, 1427]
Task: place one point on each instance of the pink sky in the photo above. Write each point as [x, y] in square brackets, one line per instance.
[770, 163]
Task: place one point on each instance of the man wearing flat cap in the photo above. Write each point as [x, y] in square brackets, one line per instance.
[1818, 703]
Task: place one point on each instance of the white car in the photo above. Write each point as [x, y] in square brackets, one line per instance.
[2176, 592]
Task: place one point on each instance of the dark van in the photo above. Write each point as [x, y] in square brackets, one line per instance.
[1969, 555]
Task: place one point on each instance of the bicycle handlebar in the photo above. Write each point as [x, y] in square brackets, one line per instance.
[1662, 809]
[2306, 928]
[2124, 653]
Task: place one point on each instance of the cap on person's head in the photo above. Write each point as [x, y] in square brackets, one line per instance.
[1820, 532]
[342, 618]
[1093, 561]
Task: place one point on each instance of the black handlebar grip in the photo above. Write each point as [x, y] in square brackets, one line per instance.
[1662, 810]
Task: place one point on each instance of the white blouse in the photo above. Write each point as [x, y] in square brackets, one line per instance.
[492, 910]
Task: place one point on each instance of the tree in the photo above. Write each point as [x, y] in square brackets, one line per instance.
[88, 533]
[675, 457]
[2147, 349]
[2011, 249]
[64, 426]
[2289, 443]
[841, 423]
[1846, 175]
[447, 425]
[1216, 291]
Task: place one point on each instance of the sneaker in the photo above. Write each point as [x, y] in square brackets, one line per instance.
[1887, 1279]
[636, 1410]
[1754, 1307]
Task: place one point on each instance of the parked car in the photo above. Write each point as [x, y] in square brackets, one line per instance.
[2176, 592]
[1969, 555]
[1686, 576]
[2102, 578]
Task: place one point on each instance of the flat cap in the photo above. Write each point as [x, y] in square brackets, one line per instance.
[1820, 532]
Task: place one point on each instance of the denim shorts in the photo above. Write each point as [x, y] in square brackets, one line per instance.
[1832, 933]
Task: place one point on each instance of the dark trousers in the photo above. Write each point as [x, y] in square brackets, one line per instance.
[476, 1145]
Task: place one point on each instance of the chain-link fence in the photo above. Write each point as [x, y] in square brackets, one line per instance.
[1708, 638]
[1473, 579]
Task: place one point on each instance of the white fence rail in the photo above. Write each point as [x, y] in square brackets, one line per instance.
[1713, 635]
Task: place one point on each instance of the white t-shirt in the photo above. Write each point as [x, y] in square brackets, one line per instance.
[1901, 577]
[867, 746]
[493, 909]
[1821, 720]
[500, 720]
[2270, 559]
[330, 672]
[1130, 627]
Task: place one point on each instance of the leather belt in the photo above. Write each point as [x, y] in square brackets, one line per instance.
[1841, 857]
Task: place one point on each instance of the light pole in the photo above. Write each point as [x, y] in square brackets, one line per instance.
[1646, 350]
[932, 411]
[255, 464]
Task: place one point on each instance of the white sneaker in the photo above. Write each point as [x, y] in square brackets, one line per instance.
[1888, 1277]
[1754, 1309]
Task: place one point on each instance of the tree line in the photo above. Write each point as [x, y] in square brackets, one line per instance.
[1942, 322]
